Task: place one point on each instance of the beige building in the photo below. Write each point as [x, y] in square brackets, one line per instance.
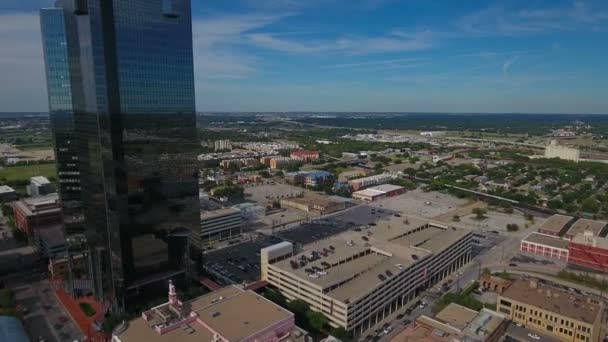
[220, 224]
[553, 150]
[356, 279]
[456, 323]
[556, 313]
[312, 203]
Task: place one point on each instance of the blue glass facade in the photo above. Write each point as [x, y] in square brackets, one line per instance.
[135, 127]
[59, 73]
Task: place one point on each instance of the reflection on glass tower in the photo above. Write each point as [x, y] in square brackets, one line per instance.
[130, 72]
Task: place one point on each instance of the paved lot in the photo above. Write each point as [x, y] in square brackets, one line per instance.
[238, 263]
[311, 232]
[498, 221]
[420, 203]
[267, 193]
[364, 215]
[45, 317]
[283, 217]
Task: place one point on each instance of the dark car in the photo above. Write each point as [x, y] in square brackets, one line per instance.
[512, 265]
[406, 322]
[399, 316]
[408, 311]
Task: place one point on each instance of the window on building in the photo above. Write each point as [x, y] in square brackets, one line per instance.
[505, 303]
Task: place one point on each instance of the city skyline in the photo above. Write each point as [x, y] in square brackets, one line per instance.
[407, 56]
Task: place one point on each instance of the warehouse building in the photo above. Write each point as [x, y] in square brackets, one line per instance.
[220, 224]
[378, 192]
[356, 279]
[596, 228]
[556, 225]
[589, 251]
[553, 312]
[546, 246]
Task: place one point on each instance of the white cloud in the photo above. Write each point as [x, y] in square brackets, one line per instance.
[215, 41]
[21, 63]
[507, 65]
[395, 41]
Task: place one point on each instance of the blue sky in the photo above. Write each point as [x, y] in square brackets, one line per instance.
[366, 55]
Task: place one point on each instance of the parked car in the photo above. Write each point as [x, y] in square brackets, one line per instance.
[533, 336]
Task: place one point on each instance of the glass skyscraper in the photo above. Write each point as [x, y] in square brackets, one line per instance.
[135, 132]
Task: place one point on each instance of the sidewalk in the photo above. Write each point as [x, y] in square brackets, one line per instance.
[84, 323]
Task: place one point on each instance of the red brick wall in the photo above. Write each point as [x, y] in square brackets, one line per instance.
[588, 256]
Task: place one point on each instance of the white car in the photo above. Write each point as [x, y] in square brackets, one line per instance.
[519, 325]
[533, 336]
[387, 330]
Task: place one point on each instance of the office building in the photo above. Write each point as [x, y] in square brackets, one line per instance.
[36, 212]
[283, 162]
[59, 46]
[554, 312]
[135, 130]
[456, 323]
[7, 194]
[229, 314]
[40, 186]
[356, 279]
[220, 224]
[50, 241]
[553, 150]
[378, 192]
[222, 145]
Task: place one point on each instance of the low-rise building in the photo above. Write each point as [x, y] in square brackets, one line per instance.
[553, 150]
[283, 162]
[312, 203]
[357, 173]
[229, 314]
[360, 183]
[546, 246]
[596, 228]
[239, 162]
[305, 155]
[556, 225]
[50, 240]
[356, 279]
[553, 312]
[456, 323]
[35, 212]
[317, 178]
[7, 194]
[378, 192]
[40, 186]
[589, 251]
[251, 212]
[220, 224]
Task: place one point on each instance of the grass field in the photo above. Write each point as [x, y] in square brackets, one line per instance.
[15, 173]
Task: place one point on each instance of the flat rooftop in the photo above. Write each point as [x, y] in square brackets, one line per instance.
[595, 241]
[232, 312]
[6, 189]
[585, 225]
[312, 199]
[456, 315]
[210, 214]
[551, 299]
[359, 257]
[556, 223]
[547, 240]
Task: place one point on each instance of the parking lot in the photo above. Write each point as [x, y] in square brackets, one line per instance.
[311, 232]
[268, 193]
[420, 203]
[238, 263]
[498, 221]
[44, 317]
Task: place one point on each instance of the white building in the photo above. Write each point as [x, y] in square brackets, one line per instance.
[251, 212]
[222, 145]
[553, 150]
[220, 224]
[40, 186]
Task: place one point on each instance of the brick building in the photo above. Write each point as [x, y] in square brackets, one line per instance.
[35, 212]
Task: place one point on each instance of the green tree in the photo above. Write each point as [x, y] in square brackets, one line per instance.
[479, 213]
[341, 334]
[512, 227]
[317, 320]
[590, 205]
